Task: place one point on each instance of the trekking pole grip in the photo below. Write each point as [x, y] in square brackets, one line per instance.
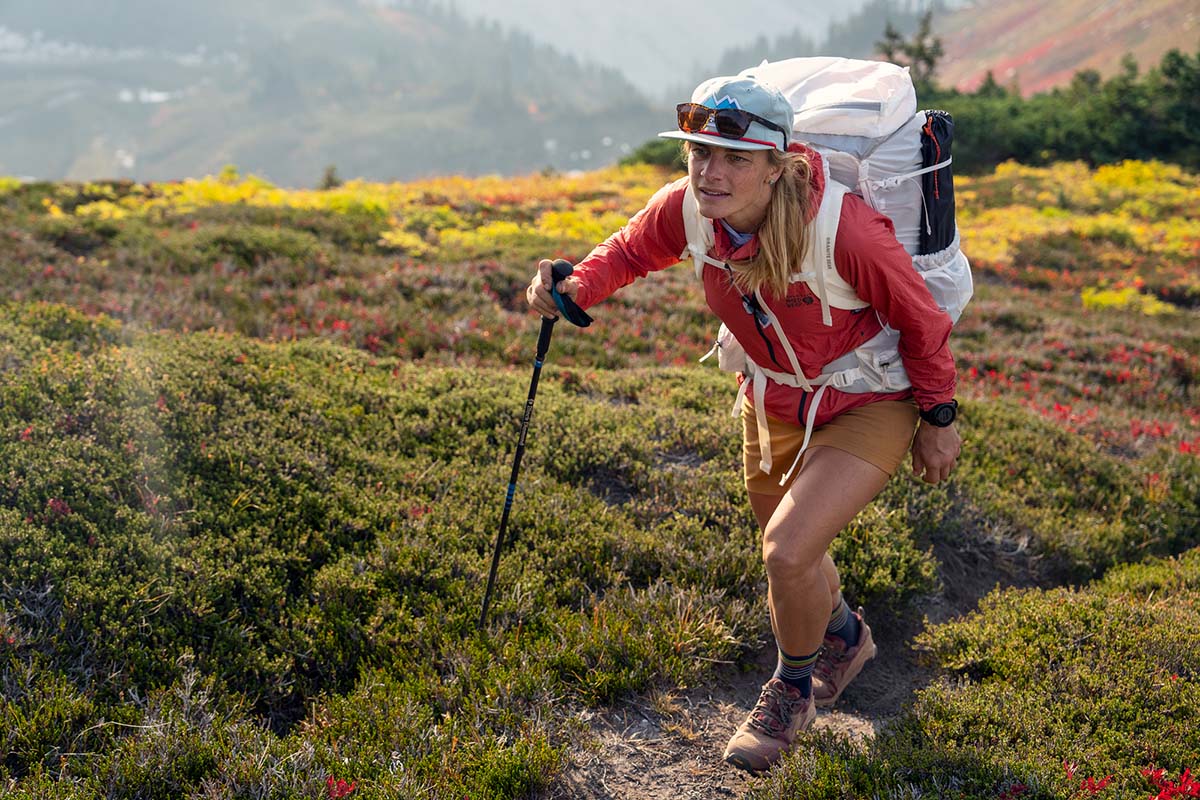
[570, 309]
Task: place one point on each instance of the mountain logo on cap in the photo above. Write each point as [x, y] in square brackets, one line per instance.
[726, 102]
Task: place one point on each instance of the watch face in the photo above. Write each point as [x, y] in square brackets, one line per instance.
[943, 415]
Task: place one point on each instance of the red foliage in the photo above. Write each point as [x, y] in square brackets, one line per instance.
[1186, 787]
[339, 788]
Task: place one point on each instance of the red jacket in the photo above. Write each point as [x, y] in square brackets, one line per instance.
[866, 255]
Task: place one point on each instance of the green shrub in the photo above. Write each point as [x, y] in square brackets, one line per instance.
[658, 152]
[1102, 678]
[353, 228]
[76, 236]
[1029, 483]
[278, 526]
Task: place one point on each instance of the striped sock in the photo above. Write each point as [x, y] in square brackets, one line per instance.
[843, 623]
[796, 671]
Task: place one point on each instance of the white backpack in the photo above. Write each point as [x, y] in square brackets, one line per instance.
[861, 116]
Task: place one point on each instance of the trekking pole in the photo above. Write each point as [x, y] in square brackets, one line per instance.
[577, 316]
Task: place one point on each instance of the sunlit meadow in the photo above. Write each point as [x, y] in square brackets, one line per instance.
[253, 442]
[1085, 311]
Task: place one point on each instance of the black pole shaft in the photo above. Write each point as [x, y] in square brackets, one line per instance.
[542, 346]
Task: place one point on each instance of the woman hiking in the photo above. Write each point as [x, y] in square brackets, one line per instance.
[762, 192]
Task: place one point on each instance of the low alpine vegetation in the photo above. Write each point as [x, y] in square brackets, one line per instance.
[1066, 692]
[254, 445]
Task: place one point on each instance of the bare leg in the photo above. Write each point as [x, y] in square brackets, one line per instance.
[830, 489]
[764, 506]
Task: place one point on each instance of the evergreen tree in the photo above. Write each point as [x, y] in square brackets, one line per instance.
[330, 178]
[855, 37]
[920, 53]
[990, 87]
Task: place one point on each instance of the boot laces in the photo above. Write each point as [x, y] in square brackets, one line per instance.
[773, 712]
[832, 658]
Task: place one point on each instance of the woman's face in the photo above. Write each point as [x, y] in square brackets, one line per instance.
[733, 185]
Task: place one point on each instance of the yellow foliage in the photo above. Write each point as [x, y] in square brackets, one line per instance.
[579, 225]
[102, 190]
[1151, 207]
[102, 209]
[1140, 176]
[602, 200]
[493, 236]
[52, 208]
[1098, 298]
[1135, 187]
[405, 242]
[989, 235]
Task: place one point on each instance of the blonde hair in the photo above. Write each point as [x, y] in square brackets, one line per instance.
[783, 236]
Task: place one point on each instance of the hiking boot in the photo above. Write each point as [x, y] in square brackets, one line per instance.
[838, 665]
[781, 712]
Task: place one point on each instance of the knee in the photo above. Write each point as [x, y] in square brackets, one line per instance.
[788, 558]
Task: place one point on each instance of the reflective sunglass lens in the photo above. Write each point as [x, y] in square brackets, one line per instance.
[692, 116]
[732, 122]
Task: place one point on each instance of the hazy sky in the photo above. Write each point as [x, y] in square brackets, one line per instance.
[658, 44]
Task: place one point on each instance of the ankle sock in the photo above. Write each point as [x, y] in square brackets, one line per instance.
[796, 671]
[843, 623]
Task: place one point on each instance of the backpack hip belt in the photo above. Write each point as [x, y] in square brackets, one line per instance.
[847, 373]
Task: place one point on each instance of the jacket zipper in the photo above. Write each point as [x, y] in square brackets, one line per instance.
[762, 332]
[755, 310]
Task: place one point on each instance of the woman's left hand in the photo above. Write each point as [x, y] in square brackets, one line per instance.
[934, 452]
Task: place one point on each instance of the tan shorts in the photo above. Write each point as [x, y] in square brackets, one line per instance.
[880, 433]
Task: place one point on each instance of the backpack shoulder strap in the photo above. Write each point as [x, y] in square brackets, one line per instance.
[699, 232]
[820, 272]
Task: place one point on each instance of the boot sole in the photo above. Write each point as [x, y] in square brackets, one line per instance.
[741, 763]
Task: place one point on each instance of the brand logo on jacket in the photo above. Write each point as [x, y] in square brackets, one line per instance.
[797, 300]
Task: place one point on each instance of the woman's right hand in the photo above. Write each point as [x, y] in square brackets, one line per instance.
[538, 294]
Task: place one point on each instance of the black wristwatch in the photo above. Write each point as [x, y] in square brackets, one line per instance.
[942, 415]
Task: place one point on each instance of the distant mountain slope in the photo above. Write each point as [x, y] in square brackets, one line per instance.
[1041, 45]
[1038, 45]
[283, 89]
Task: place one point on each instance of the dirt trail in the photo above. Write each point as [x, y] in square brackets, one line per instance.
[669, 745]
[662, 745]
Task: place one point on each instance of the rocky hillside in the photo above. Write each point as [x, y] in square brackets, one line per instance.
[1041, 45]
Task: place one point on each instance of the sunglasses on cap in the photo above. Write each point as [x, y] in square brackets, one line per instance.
[732, 123]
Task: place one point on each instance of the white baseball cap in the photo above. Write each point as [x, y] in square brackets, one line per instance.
[766, 123]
